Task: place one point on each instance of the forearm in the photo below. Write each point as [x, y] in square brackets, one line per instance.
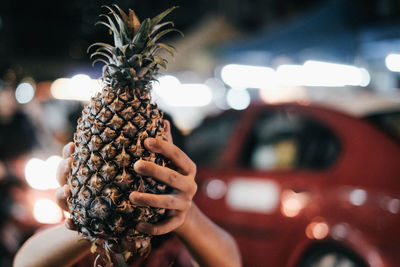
[208, 243]
[57, 246]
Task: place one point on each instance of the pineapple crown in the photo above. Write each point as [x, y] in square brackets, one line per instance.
[132, 60]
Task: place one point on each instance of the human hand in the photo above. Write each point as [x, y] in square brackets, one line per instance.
[62, 171]
[179, 201]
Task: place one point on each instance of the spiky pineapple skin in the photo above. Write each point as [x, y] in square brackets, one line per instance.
[108, 141]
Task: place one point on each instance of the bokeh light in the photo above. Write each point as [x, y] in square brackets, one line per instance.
[41, 174]
[317, 229]
[177, 94]
[358, 197]
[80, 87]
[392, 62]
[293, 203]
[24, 93]
[216, 189]
[245, 76]
[47, 211]
[238, 99]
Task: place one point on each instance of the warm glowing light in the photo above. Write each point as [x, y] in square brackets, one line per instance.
[174, 93]
[41, 174]
[392, 62]
[24, 93]
[317, 230]
[283, 94]
[293, 203]
[358, 197]
[216, 189]
[80, 87]
[238, 99]
[291, 207]
[47, 211]
[245, 76]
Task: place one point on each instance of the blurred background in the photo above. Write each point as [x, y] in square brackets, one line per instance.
[291, 110]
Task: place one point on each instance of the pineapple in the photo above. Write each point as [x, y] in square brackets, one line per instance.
[110, 134]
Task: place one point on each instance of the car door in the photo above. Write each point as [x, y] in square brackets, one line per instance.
[263, 167]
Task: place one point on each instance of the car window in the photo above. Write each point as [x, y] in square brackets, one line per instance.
[286, 140]
[204, 145]
[388, 122]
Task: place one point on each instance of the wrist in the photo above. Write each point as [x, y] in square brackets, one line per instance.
[187, 223]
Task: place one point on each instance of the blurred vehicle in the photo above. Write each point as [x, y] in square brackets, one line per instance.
[302, 185]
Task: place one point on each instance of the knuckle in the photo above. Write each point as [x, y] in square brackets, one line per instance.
[171, 202]
[194, 188]
[194, 168]
[172, 178]
[176, 154]
[191, 188]
[157, 144]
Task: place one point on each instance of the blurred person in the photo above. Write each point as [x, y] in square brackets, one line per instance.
[186, 238]
[17, 139]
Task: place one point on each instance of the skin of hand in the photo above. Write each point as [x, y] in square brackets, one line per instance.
[182, 181]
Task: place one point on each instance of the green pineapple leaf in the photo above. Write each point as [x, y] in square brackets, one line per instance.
[99, 60]
[106, 46]
[169, 48]
[123, 29]
[159, 17]
[113, 28]
[140, 38]
[161, 61]
[153, 40]
[159, 26]
[123, 14]
[98, 53]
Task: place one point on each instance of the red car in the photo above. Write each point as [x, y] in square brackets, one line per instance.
[302, 185]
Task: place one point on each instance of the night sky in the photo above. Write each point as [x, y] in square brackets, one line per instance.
[49, 38]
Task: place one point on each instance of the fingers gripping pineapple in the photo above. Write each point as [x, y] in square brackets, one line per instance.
[110, 134]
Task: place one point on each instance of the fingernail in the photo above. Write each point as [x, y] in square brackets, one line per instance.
[150, 141]
[136, 166]
[133, 196]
